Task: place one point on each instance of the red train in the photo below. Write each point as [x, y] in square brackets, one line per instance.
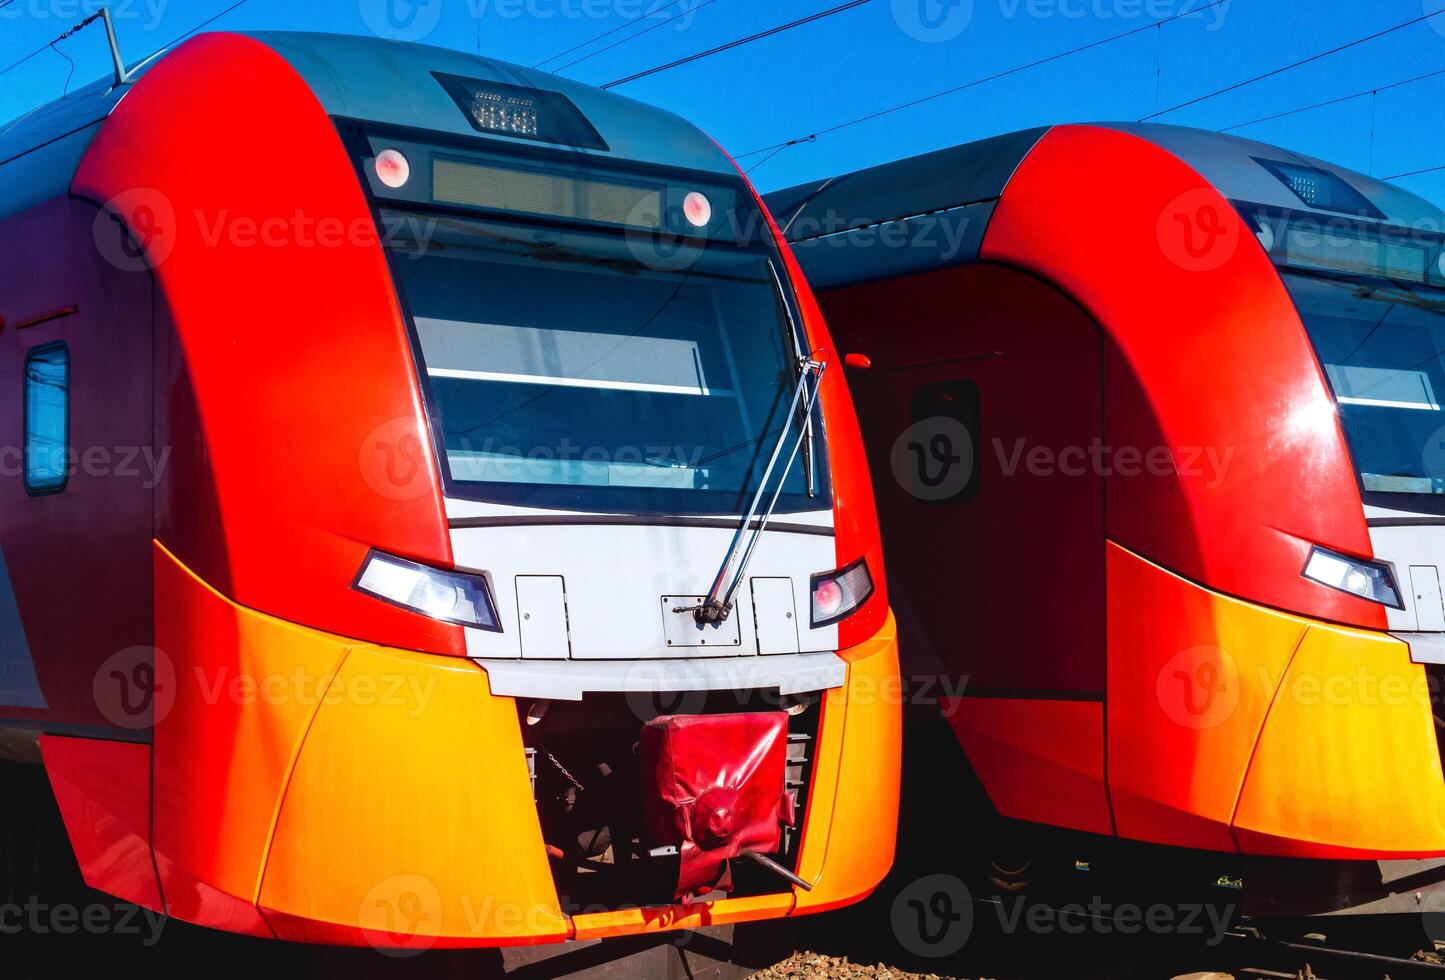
[431, 516]
[1155, 422]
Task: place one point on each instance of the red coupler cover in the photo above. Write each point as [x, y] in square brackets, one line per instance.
[714, 787]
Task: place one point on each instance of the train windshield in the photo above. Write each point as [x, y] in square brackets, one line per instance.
[598, 371]
[1381, 343]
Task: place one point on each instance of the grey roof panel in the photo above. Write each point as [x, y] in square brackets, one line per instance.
[947, 178]
[1230, 163]
[358, 77]
[895, 248]
[391, 82]
[817, 215]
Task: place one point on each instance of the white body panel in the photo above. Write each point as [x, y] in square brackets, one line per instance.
[1415, 548]
[617, 571]
[542, 617]
[797, 674]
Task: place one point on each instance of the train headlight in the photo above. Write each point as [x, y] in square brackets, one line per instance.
[840, 592]
[1365, 579]
[452, 597]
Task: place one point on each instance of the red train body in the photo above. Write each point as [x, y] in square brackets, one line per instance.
[306, 653]
[1149, 412]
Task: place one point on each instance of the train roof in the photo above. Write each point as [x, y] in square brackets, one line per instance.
[372, 79]
[968, 179]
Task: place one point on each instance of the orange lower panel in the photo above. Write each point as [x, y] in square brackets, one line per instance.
[1038, 760]
[1233, 726]
[847, 846]
[1347, 766]
[319, 789]
[409, 814]
[628, 922]
[244, 687]
[1191, 677]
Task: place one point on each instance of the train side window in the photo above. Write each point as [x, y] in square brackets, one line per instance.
[47, 419]
[940, 453]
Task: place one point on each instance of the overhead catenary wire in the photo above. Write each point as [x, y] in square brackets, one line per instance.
[1415, 173]
[1004, 73]
[1335, 101]
[633, 37]
[605, 34]
[199, 27]
[739, 42]
[1291, 66]
[44, 47]
[48, 45]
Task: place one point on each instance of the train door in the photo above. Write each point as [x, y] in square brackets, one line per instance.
[982, 413]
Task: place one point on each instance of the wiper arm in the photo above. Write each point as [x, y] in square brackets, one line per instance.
[797, 336]
[718, 604]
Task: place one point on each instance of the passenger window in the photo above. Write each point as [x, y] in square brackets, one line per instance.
[47, 418]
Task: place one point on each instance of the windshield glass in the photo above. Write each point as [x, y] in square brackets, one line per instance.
[590, 371]
[1381, 344]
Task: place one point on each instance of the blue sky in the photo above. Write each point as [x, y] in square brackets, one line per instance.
[877, 55]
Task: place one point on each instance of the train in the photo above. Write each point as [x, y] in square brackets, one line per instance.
[474, 530]
[1154, 418]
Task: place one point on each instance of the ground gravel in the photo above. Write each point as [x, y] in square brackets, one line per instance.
[816, 966]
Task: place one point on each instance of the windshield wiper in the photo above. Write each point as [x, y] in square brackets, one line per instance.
[718, 604]
[796, 334]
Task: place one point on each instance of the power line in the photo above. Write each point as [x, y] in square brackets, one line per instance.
[739, 42]
[1330, 102]
[594, 40]
[96, 16]
[1414, 173]
[199, 27]
[69, 74]
[40, 50]
[633, 37]
[1290, 67]
[987, 78]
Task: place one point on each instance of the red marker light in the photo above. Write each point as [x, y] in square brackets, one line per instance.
[827, 598]
[392, 169]
[697, 209]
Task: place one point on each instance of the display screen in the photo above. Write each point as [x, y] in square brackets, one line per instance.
[526, 113]
[554, 195]
[1304, 241]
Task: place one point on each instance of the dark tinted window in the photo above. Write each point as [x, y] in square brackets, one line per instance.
[47, 418]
